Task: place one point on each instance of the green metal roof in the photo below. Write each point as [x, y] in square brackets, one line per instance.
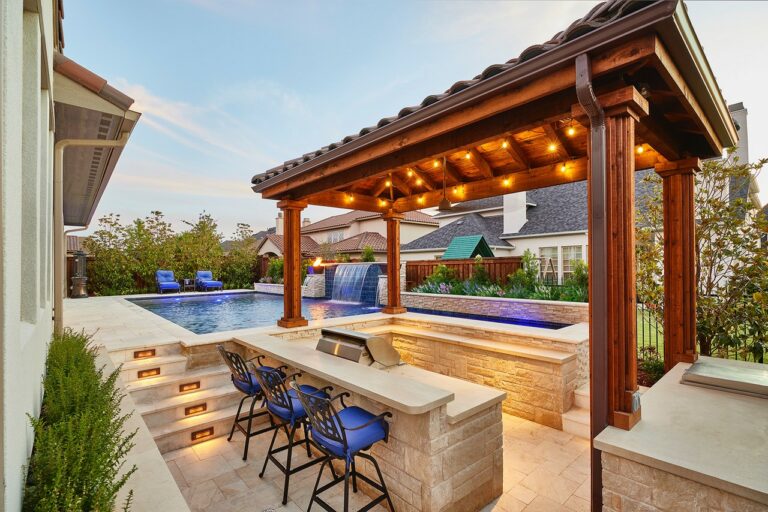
[467, 247]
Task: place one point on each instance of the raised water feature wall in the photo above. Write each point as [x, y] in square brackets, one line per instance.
[368, 280]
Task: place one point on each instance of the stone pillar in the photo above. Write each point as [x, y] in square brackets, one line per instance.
[679, 261]
[292, 263]
[620, 119]
[393, 306]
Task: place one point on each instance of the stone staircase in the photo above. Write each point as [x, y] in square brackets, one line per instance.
[180, 406]
[576, 420]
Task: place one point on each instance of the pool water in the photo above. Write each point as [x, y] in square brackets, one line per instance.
[203, 314]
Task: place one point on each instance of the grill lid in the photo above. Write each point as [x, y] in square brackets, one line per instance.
[358, 346]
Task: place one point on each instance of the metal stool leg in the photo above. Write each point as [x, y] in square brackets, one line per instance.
[317, 482]
[346, 486]
[237, 416]
[288, 464]
[306, 439]
[269, 452]
[248, 430]
[383, 485]
[354, 476]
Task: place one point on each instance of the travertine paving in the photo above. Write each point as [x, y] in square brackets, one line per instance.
[544, 470]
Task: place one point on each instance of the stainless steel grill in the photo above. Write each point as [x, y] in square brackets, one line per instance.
[360, 347]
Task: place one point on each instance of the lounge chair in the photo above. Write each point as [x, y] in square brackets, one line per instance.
[166, 282]
[204, 281]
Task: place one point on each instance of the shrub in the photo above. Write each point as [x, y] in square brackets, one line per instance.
[576, 285]
[442, 274]
[80, 444]
[526, 278]
[275, 270]
[652, 365]
[343, 258]
[238, 269]
[479, 272]
[368, 254]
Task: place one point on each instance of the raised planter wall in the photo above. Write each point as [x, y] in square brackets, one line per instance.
[314, 286]
[528, 309]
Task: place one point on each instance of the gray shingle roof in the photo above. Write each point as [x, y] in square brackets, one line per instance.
[599, 16]
[470, 224]
[474, 205]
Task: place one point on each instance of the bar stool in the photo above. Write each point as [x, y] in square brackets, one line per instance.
[344, 435]
[284, 407]
[246, 383]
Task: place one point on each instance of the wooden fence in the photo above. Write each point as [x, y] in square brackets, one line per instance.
[498, 269]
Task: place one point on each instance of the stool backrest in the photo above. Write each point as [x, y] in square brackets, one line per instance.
[272, 383]
[322, 415]
[236, 364]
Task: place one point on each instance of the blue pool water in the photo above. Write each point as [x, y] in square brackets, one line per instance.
[207, 313]
[498, 319]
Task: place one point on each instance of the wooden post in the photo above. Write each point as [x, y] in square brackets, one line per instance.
[620, 118]
[679, 261]
[292, 263]
[394, 306]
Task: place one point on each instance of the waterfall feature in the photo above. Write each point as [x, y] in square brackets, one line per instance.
[348, 282]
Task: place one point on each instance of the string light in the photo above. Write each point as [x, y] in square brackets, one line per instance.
[505, 144]
[382, 203]
[563, 168]
[571, 131]
[350, 198]
[507, 182]
[640, 149]
[552, 147]
[421, 199]
[388, 183]
[410, 173]
[436, 164]
[419, 181]
[468, 155]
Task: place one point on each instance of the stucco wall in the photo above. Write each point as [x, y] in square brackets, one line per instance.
[26, 149]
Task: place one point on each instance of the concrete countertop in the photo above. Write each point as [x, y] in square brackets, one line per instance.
[714, 437]
[404, 388]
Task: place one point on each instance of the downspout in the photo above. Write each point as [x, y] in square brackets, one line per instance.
[598, 269]
[59, 253]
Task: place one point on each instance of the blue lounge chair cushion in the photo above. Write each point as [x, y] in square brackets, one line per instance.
[168, 286]
[298, 411]
[204, 279]
[357, 440]
[251, 387]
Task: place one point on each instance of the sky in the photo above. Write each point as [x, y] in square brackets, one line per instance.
[230, 88]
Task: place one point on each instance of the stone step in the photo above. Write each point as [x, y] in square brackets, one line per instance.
[576, 422]
[154, 389]
[581, 397]
[129, 353]
[175, 408]
[179, 434]
[157, 366]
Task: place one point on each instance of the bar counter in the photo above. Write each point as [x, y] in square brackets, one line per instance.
[445, 446]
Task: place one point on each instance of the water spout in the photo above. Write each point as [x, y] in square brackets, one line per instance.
[348, 283]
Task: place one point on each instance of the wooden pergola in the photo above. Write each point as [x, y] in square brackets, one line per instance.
[626, 87]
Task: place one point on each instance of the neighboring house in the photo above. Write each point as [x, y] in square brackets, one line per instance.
[45, 98]
[348, 233]
[550, 222]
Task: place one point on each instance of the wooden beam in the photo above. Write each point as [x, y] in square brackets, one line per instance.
[655, 131]
[546, 176]
[426, 182]
[553, 82]
[380, 187]
[400, 185]
[453, 172]
[480, 164]
[516, 152]
[349, 201]
[554, 138]
[292, 258]
[394, 305]
[679, 261]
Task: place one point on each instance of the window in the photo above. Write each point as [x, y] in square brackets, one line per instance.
[335, 236]
[571, 254]
[549, 259]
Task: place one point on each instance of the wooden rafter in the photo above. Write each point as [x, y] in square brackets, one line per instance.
[401, 185]
[380, 187]
[427, 183]
[480, 163]
[513, 149]
[453, 172]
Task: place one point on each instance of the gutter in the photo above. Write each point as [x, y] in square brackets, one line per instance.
[59, 254]
[598, 269]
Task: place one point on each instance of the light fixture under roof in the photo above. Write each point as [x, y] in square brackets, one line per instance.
[445, 204]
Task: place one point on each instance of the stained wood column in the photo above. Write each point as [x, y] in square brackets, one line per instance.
[292, 264]
[680, 289]
[394, 306]
[620, 120]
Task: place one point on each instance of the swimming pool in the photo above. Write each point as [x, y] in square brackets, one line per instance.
[215, 312]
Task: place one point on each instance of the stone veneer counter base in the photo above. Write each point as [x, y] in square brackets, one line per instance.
[689, 438]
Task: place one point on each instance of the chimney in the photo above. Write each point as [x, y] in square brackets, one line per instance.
[279, 224]
[306, 222]
[515, 212]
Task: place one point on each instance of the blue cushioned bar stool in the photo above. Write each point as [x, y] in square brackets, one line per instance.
[288, 413]
[246, 383]
[344, 435]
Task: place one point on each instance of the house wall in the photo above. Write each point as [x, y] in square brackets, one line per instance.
[26, 276]
[269, 248]
[534, 243]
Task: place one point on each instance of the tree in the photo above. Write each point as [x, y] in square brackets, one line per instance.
[149, 245]
[238, 268]
[730, 260]
[368, 254]
[199, 248]
[108, 273]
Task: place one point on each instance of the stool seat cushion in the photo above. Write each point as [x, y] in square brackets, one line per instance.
[357, 440]
[297, 412]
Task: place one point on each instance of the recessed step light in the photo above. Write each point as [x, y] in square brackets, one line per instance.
[143, 354]
[189, 386]
[152, 372]
[199, 435]
[195, 409]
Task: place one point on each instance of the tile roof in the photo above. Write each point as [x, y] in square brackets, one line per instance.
[471, 224]
[599, 16]
[345, 219]
[308, 245]
[463, 247]
[358, 242]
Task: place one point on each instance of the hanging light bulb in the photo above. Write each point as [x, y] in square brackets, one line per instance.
[571, 131]
[505, 144]
[563, 168]
[435, 164]
[552, 147]
[507, 182]
[421, 199]
[410, 173]
[640, 150]
[382, 203]
[468, 155]
[419, 181]
[388, 183]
